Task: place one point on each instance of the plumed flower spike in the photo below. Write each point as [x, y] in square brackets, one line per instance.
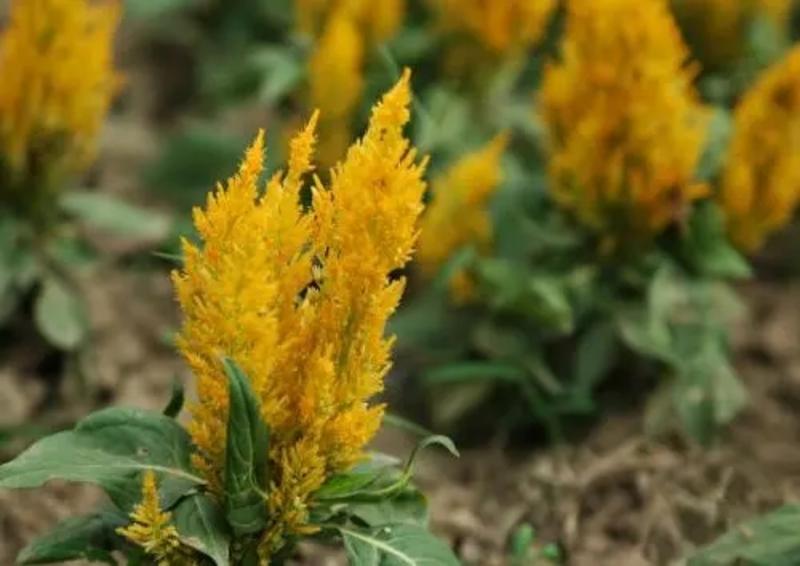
[58, 81]
[760, 186]
[299, 299]
[152, 529]
[458, 215]
[336, 83]
[376, 21]
[502, 27]
[625, 125]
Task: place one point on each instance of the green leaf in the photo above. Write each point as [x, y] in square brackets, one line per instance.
[707, 393]
[59, 315]
[152, 9]
[176, 401]
[201, 525]
[368, 473]
[596, 353]
[396, 545]
[409, 507]
[771, 540]
[246, 453]
[111, 448]
[467, 372]
[282, 70]
[366, 485]
[707, 248]
[719, 133]
[110, 214]
[90, 538]
[433, 440]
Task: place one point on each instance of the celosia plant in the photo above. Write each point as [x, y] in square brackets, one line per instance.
[458, 215]
[608, 257]
[760, 184]
[626, 126]
[58, 82]
[284, 309]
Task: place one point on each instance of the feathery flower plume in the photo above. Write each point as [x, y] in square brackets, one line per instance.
[152, 529]
[376, 21]
[336, 84]
[760, 186]
[458, 214]
[58, 82]
[299, 299]
[626, 127]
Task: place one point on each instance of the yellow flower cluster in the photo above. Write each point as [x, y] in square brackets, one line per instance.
[336, 84]
[625, 125]
[717, 29]
[500, 26]
[376, 21]
[152, 528]
[299, 299]
[760, 186]
[343, 29]
[58, 80]
[458, 213]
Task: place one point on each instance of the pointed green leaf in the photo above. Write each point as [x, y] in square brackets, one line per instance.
[111, 448]
[60, 316]
[201, 525]
[107, 213]
[396, 545]
[246, 465]
[91, 538]
[409, 507]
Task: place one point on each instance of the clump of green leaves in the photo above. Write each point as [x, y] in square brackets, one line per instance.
[373, 510]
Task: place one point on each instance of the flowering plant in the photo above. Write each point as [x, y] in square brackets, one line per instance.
[58, 83]
[284, 312]
[611, 258]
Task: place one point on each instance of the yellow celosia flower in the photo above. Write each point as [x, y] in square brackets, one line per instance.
[717, 28]
[458, 214]
[500, 26]
[58, 80]
[375, 21]
[625, 125]
[336, 84]
[760, 185]
[299, 299]
[152, 528]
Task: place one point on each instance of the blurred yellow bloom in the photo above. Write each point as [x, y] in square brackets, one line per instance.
[458, 214]
[625, 125]
[299, 299]
[500, 26]
[717, 29]
[336, 84]
[376, 21]
[56, 63]
[760, 185]
[152, 529]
